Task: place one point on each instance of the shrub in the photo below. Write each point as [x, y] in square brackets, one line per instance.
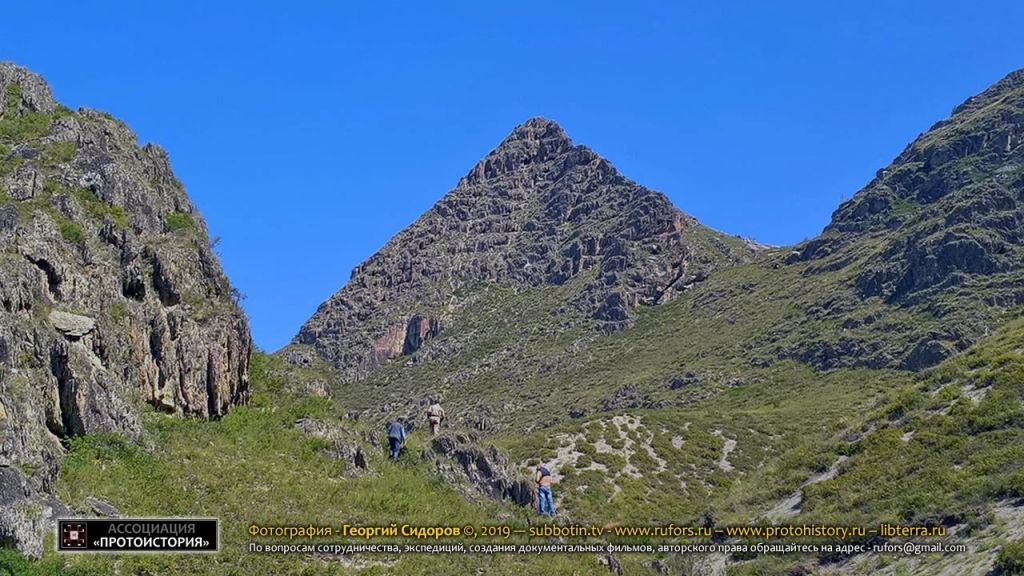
[118, 312]
[179, 221]
[70, 230]
[1011, 558]
[99, 209]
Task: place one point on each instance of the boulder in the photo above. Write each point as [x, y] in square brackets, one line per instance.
[73, 326]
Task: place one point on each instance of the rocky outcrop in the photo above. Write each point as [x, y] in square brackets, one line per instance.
[486, 470]
[538, 210]
[628, 396]
[344, 445]
[110, 294]
[25, 514]
[943, 223]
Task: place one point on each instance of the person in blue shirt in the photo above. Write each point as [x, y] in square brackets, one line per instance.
[396, 437]
[545, 500]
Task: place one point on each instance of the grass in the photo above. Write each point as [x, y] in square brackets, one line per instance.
[21, 127]
[962, 455]
[24, 127]
[71, 231]
[252, 466]
[100, 210]
[59, 153]
[783, 436]
[1011, 559]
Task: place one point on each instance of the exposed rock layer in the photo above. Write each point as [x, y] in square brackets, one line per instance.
[110, 294]
[939, 230]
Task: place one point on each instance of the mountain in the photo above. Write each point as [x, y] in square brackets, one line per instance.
[110, 295]
[536, 211]
[665, 373]
[939, 231]
[917, 266]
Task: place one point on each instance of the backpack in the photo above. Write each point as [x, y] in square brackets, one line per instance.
[544, 472]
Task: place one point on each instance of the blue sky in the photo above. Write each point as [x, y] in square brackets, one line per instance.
[308, 133]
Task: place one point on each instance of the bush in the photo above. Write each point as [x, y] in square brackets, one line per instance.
[99, 209]
[1011, 558]
[70, 230]
[179, 221]
[118, 312]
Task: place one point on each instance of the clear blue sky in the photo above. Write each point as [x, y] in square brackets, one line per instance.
[308, 133]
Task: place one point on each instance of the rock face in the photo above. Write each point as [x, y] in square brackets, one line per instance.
[944, 222]
[344, 445]
[485, 469]
[538, 210]
[110, 294]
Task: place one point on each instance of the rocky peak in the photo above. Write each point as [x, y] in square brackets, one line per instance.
[24, 91]
[537, 210]
[530, 144]
[969, 153]
[1008, 85]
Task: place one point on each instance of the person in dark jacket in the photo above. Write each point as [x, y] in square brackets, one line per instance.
[396, 437]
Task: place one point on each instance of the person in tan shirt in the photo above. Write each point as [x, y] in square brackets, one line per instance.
[545, 500]
[434, 415]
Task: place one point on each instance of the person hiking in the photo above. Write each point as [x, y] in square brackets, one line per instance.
[545, 501]
[435, 414]
[396, 437]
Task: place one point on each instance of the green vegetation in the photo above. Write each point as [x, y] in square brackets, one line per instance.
[953, 453]
[783, 436]
[71, 231]
[99, 209]
[24, 127]
[27, 126]
[21, 127]
[118, 311]
[179, 221]
[14, 564]
[253, 466]
[1011, 559]
[59, 153]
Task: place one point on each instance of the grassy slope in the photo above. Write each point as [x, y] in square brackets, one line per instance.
[966, 418]
[783, 435]
[504, 351]
[254, 467]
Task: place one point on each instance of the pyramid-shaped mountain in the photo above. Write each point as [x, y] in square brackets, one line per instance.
[537, 210]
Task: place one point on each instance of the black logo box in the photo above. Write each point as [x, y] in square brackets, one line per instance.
[138, 535]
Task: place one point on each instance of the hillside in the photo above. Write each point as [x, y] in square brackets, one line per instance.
[948, 233]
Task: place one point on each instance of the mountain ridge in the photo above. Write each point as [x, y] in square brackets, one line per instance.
[815, 302]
